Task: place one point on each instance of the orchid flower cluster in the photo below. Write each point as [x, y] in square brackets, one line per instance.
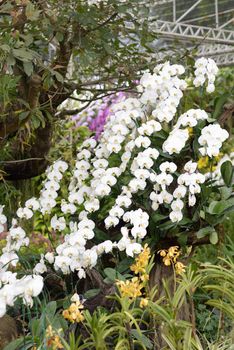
[98, 2]
[93, 2]
[206, 69]
[97, 113]
[3, 219]
[11, 287]
[146, 138]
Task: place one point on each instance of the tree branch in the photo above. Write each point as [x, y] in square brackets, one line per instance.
[43, 6]
[34, 90]
[103, 23]
[4, 162]
[18, 16]
[228, 113]
[65, 112]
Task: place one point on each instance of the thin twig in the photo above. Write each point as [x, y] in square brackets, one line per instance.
[103, 23]
[19, 161]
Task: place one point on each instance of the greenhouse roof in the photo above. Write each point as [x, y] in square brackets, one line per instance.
[208, 22]
[208, 13]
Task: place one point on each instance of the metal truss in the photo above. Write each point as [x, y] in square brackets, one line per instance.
[224, 60]
[161, 2]
[215, 39]
[221, 59]
[212, 50]
[212, 15]
[192, 32]
[223, 55]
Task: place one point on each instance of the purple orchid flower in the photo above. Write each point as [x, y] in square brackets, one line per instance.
[95, 116]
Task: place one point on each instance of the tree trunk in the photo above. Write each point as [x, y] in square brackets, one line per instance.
[8, 330]
[33, 161]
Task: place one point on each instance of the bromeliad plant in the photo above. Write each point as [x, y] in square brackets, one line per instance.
[139, 183]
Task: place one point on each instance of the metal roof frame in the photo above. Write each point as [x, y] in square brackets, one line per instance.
[217, 41]
[193, 32]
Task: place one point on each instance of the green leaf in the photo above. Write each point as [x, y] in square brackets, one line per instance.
[220, 101]
[214, 237]
[211, 209]
[225, 192]
[38, 114]
[182, 239]
[218, 207]
[142, 339]
[166, 225]
[202, 214]
[22, 54]
[28, 68]
[31, 12]
[59, 77]
[205, 231]
[19, 344]
[157, 217]
[51, 308]
[5, 48]
[214, 219]
[35, 327]
[113, 274]
[185, 221]
[10, 60]
[100, 235]
[108, 48]
[91, 293]
[124, 264]
[23, 115]
[59, 36]
[14, 345]
[227, 172]
[35, 122]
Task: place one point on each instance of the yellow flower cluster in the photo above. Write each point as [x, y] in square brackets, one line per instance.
[190, 131]
[74, 312]
[144, 302]
[130, 288]
[179, 267]
[133, 288]
[204, 162]
[170, 257]
[141, 262]
[52, 339]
